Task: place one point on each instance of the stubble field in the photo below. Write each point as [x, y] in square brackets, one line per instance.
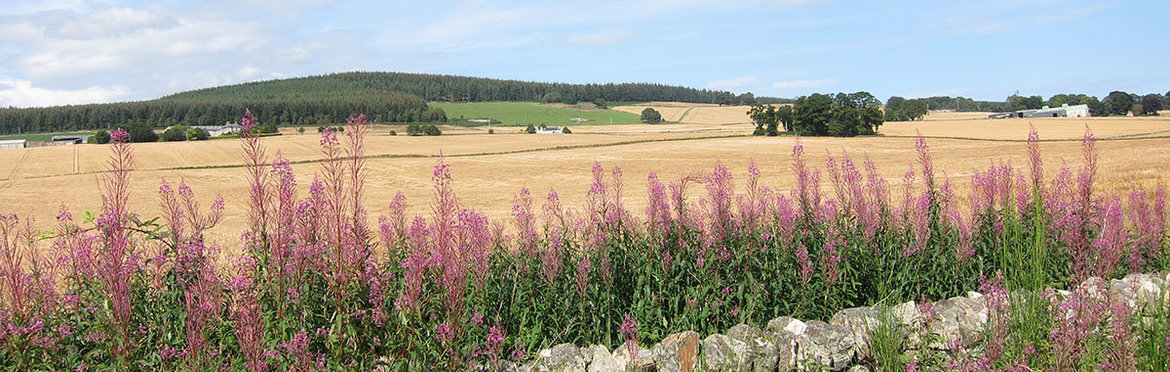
[490, 169]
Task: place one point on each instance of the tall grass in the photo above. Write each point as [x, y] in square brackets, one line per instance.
[315, 288]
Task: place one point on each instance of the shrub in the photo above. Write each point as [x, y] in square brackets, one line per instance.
[414, 129]
[197, 134]
[101, 137]
[140, 132]
[530, 129]
[651, 116]
[566, 130]
[393, 132]
[491, 131]
[175, 133]
[431, 130]
[268, 128]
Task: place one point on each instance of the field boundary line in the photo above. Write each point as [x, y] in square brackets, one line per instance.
[428, 156]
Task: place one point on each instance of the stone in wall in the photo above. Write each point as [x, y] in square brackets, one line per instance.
[677, 352]
[825, 345]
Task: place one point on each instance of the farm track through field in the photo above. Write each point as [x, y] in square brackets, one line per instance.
[16, 168]
[683, 117]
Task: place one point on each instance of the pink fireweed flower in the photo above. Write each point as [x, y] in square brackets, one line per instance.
[550, 258]
[444, 333]
[908, 199]
[1034, 156]
[920, 224]
[525, 221]
[355, 134]
[247, 321]
[629, 329]
[616, 215]
[831, 257]
[494, 343]
[1121, 331]
[805, 263]
[1111, 242]
[475, 238]
[807, 181]
[720, 191]
[997, 302]
[582, 276]
[924, 161]
[658, 207]
[260, 192]
[785, 215]
[392, 228]
[1076, 319]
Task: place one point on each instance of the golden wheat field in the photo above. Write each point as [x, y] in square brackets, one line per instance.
[490, 169]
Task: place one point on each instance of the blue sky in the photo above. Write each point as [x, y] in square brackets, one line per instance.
[82, 51]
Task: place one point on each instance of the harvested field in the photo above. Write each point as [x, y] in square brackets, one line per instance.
[490, 169]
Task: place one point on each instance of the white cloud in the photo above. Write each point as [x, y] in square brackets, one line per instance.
[22, 93]
[735, 83]
[802, 84]
[972, 25]
[600, 38]
[1071, 14]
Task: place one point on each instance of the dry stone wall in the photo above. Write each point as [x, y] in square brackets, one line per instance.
[785, 343]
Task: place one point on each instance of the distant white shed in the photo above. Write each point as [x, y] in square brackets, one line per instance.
[13, 144]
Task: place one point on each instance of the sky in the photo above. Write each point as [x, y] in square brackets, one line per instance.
[56, 52]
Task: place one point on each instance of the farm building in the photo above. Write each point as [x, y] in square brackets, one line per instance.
[13, 144]
[1077, 111]
[218, 130]
[73, 139]
[548, 130]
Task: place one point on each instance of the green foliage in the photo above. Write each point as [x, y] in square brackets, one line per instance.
[1151, 104]
[140, 132]
[1118, 103]
[393, 132]
[511, 113]
[900, 109]
[1153, 332]
[565, 130]
[101, 137]
[765, 119]
[530, 129]
[651, 116]
[175, 133]
[431, 130]
[551, 97]
[811, 114]
[415, 129]
[1018, 102]
[300, 130]
[887, 341]
[267, 128]
[600, 103]
[196, 134]
[843, 115]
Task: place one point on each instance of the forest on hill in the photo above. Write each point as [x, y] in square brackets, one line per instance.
[327, 99]
[449, 88]
[302, 109]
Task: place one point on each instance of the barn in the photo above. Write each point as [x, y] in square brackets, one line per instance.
[13, 144]
[1064, 111]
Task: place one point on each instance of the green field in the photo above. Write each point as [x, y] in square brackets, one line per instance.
[521, 113]
[39, 136]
